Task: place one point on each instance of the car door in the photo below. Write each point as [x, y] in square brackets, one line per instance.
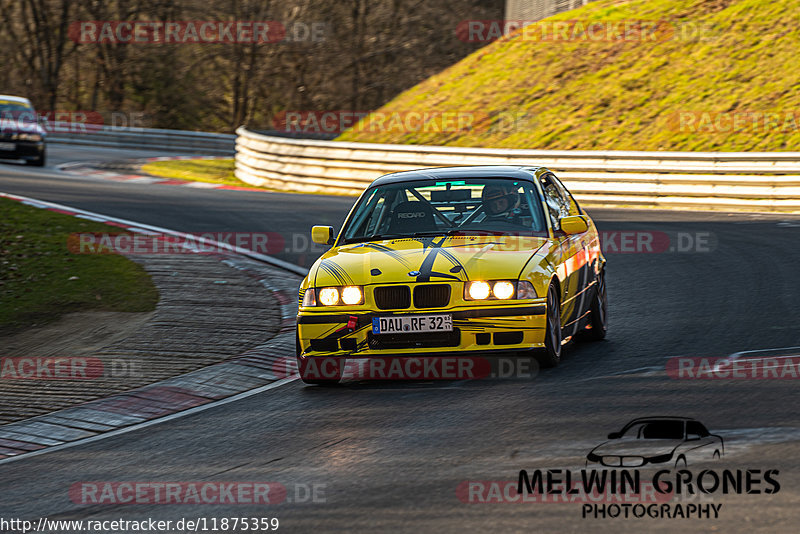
[584, 256]
[700, 445]
[570, 251]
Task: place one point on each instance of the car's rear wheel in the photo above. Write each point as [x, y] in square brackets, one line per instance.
[314, 375]
[598, 312]
[552, 335]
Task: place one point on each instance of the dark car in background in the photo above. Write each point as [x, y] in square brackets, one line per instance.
[21, 135]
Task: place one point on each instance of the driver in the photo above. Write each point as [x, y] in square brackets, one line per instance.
[500, 201]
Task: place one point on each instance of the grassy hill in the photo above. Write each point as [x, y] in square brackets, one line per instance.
[703, 81]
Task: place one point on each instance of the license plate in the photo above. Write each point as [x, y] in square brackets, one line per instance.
[8, 146]
[412, 324]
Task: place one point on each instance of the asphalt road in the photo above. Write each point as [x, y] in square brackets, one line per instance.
[390, 456]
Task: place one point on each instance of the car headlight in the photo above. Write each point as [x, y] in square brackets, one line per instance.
[335, 296]
[29, 137]
[352, 295]
[525, 290]
[329, 296]
[310, 297]
[478, 290]
[499, 290]
[503, 290]
[660, 459]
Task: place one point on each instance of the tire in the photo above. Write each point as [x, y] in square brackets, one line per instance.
[39, 162]
[680, 462]
[598, 312]
[314, 381]
[552, 335]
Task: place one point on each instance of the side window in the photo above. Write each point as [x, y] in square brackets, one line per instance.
[574, 209]
[555, 198]
[695, 429]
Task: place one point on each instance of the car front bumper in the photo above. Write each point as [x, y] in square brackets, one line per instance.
[328, 333]
[27, 150]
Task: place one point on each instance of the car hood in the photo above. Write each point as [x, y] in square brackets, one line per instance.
[426, 259]
[637, 447]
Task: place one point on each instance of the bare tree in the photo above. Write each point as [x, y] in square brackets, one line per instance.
[38, 31]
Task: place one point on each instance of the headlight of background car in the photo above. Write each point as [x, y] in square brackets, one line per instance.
[499, 290]
[334, 296]
[29, 137]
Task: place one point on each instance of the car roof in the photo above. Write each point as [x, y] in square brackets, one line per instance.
[518, 172]
[19, 99]
[660, 418]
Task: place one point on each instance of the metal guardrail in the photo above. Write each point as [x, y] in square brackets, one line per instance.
[753, 181]
[146, 138]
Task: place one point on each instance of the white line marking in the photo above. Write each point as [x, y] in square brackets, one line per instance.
[735, 356]
[739, 355]
[225, 246]
[651, 370]
[146, 424]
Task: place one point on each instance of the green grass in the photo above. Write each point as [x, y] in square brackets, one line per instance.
[40, 279]
[729, 56]
[218, 171]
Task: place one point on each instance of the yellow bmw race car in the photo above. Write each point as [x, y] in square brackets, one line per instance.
[456, 260]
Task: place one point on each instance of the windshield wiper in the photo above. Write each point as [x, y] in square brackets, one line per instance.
[376, 237]
[379, 237]
[454, 231]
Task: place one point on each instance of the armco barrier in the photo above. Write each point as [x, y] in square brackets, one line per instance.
[753, 181]
[146, 139]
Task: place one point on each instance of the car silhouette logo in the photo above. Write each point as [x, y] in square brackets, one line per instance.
[677, 441]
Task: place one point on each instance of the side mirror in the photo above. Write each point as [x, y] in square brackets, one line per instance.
[614, 435]
[574, 224]
[322, 235]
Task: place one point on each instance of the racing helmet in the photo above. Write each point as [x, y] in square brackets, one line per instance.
[499, 199]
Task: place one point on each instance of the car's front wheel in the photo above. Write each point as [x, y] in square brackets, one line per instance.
[38, 162]
[552, 335]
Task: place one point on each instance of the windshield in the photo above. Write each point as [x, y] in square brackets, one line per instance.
[656, 430]
[435, 207]
[13, 113]
[11, 108]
